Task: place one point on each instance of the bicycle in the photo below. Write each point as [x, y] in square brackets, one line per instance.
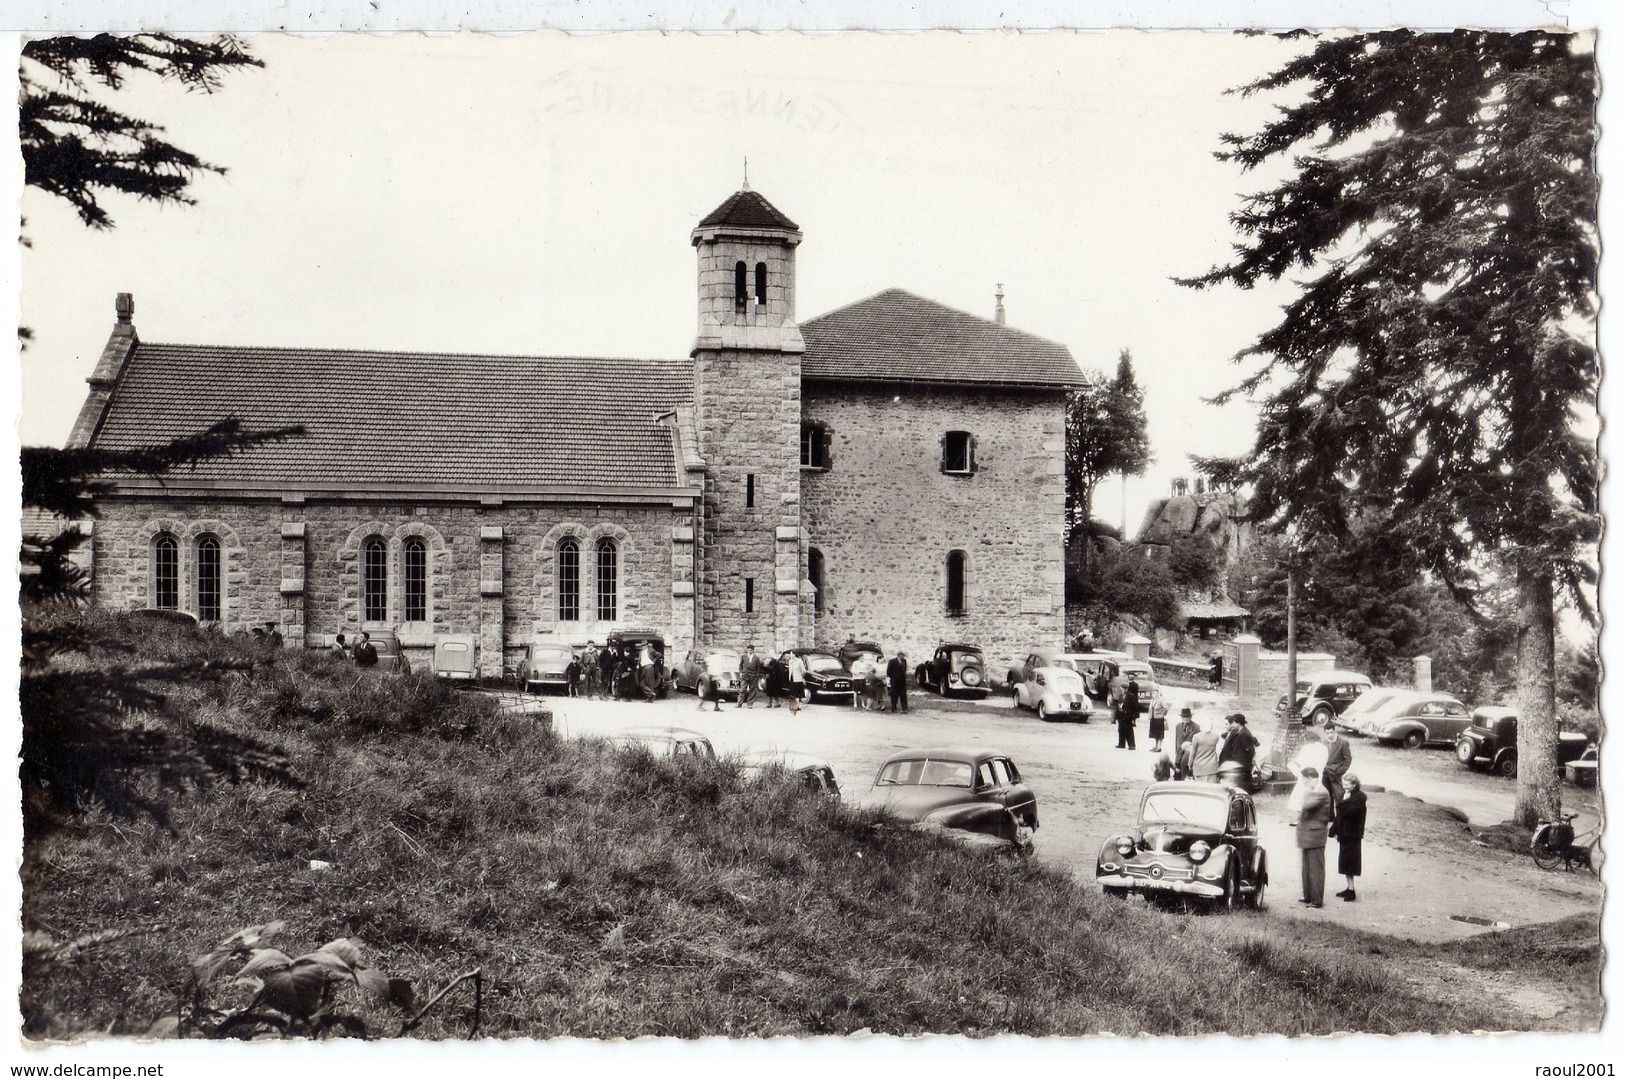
[1555, 843]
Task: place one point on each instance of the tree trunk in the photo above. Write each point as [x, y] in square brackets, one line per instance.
[1539, 794]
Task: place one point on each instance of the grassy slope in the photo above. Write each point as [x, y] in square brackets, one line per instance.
[609, 894]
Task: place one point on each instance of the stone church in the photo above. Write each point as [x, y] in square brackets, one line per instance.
[891, 470]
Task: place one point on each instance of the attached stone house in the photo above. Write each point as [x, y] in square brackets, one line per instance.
[891, 470]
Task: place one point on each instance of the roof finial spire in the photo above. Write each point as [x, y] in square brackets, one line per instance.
[746, 185]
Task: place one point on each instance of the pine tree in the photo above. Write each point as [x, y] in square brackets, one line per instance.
[1438, 364]
[1105, 436]
[79, 148]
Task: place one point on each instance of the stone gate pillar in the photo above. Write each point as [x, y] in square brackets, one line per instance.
[1137, 646]
[1423, 673]
[1241, 665]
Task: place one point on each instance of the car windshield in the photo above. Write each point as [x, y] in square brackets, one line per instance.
[819, 662]
[1179, 807]
[925, 773]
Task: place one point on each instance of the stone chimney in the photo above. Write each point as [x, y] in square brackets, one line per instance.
[998, 304]
[120, 344]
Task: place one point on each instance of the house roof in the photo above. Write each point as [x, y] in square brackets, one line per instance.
[1212, 609]
[897, 336]
[417, 421]
[747, 209]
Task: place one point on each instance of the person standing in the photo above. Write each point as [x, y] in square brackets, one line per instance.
[1205, 754]
[340, 649]
[796, 676]
[773, 681]
[750, 677]
[1128, 710]
[1184, 731]
[1339, 757]
[365, 654]
[1240, 748]
[1312, 822]
[589, 670]
[708, 690]
[1348, 827]
[1155, 727]
[897, 681]
[861, 670]
[648, 672]
[1215, 670]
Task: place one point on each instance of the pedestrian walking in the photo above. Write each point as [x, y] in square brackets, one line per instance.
[795, 669]
[1312, 822]
[1348, 826]
[708, 690]
[750, 677]
[897, 681]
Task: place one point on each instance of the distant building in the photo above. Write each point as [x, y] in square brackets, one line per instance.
[890, 470]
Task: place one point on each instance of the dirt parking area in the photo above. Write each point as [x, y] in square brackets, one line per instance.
[1427, 877]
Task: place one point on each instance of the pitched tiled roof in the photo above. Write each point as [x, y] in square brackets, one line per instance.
[412, 420]
[747, 209]
[898, 336]
[1212, 609]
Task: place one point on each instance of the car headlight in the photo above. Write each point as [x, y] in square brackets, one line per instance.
[1199, 851]
[1125, 845]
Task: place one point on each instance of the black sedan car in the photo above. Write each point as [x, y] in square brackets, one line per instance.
[973, 794]
[956, 668]
[1193, 840]
[1491, 743]
[825, 677]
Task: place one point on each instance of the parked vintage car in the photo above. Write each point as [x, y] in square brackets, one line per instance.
[955, 668]
[546, 666]
[456, 656]
[826, 677]
[1414, 720]
[977, 791]
[1049, 686]
[718, 665]
[1371, 701]
[1491, 742]
[631, 642]
[667, 741]
[852, 650]
[1098, 669]
[1195, 840]
[1322, 696]
[804, 769]
[1152, 702]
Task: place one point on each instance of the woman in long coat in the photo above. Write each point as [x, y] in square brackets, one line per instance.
[1349, 829]
[1157, 725]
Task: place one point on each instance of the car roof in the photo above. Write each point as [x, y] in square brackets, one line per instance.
[792, 759]
[966, 753]
[865, 646]
[811, 652]
[960, 646]
[1337, 676]
[1495, 711]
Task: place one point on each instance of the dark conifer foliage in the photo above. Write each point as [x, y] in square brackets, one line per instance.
[1438, 364]
[79, 147]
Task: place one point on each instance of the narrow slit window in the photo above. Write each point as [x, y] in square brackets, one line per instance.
[750, 595]
[739, 284]
[750, 490]
[956, 582]
[761, 283]
[815, 576]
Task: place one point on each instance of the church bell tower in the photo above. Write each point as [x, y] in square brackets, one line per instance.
[747, 396]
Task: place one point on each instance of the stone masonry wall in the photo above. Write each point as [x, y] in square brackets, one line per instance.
[299, 564]
[885, 517]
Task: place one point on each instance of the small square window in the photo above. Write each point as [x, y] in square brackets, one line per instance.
[958, 453]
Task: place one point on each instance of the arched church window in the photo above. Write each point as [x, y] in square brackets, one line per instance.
[608, 581]
[569, 581]
[415, 559]
[739, 284]
[374, 580]
[166, 573]
[208, 578]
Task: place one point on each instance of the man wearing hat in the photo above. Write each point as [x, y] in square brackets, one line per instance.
[1184, 731]
[750, 677]
[1240, 747]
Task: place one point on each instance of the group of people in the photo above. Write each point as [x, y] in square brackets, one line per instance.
[782, 680]
[1327, 802]
[1207, 753]
[620, 670]
[871, 682]
[363, 653]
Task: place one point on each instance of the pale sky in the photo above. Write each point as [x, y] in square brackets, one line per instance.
[535, 194]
